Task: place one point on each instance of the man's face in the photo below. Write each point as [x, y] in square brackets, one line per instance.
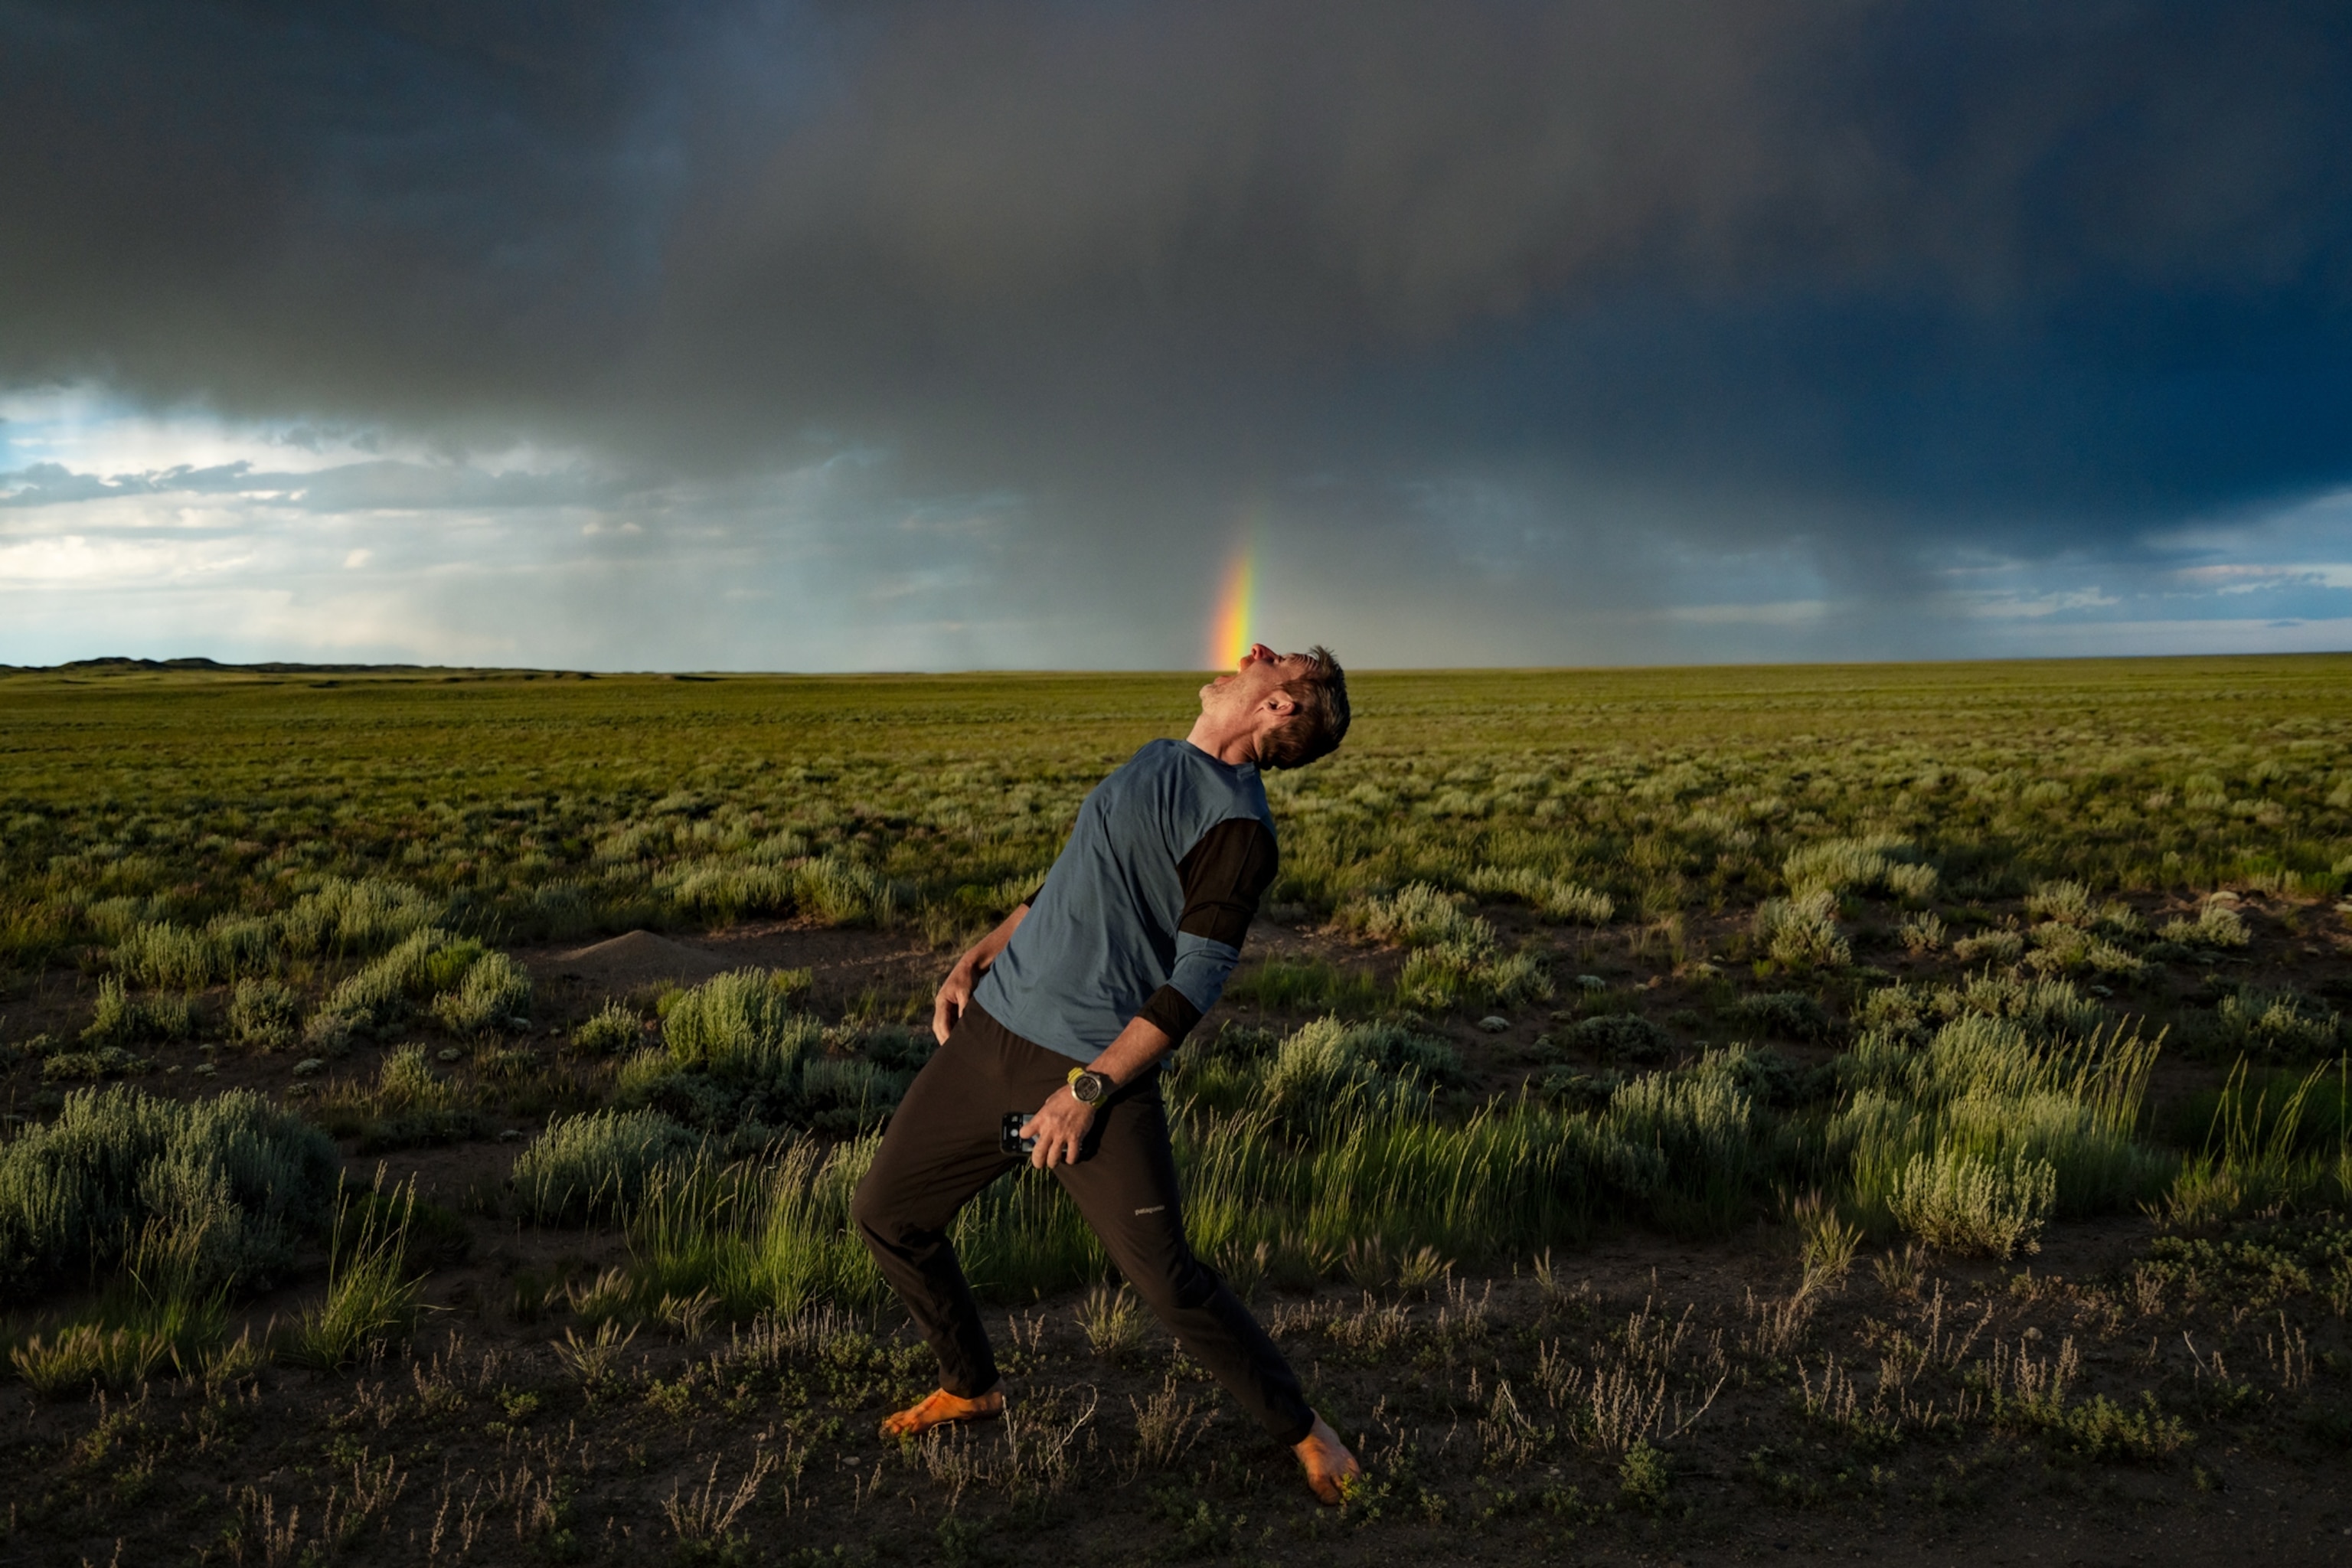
[1260, 673]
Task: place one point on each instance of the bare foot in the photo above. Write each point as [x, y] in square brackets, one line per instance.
[941, 1408]
[1331, 1471]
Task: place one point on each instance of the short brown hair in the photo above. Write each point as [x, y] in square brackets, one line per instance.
[1318, 720]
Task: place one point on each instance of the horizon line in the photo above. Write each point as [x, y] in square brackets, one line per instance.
[200, 664]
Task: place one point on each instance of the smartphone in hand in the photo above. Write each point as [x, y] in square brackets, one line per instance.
[1008, 1136]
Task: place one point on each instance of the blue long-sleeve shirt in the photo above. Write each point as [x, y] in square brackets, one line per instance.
[1144, 911]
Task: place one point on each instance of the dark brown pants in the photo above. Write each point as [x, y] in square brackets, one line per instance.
[941, 1149]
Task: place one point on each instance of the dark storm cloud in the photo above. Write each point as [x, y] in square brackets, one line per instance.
[2059, 270]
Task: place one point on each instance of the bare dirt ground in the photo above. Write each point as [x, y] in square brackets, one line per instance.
[500, 1452]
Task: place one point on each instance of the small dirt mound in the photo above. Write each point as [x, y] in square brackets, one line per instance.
[636, 958]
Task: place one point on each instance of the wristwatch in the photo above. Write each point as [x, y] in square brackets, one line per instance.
[1088, 1088]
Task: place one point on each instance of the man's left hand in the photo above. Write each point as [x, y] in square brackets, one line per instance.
[1059, 1127]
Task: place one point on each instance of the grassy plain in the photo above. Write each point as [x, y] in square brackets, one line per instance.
[1856, 994]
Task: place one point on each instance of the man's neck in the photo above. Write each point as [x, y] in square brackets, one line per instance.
[1229, 743]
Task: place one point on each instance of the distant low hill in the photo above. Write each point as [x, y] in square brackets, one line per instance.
[116, 662]
[117, 665]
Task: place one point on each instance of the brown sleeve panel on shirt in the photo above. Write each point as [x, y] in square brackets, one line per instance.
[1224, 875]
[1171, 1011]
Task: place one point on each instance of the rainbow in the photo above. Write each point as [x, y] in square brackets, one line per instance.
[1229, 624]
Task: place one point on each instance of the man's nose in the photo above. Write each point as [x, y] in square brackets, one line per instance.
[1259, 654]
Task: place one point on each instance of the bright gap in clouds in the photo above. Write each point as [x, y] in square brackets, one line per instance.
[160, 534]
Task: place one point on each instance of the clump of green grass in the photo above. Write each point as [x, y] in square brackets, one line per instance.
[844, 892]
[1418, 914]
[1827, 1244]
[1507, 1178]
[112, 920]
[1473, 971]
[106, 1061]
[2274, 1026]
[650, 1075]
[2047, 1009]
[1112, 1321]
[383, 993]
[160, 954]
[2071, 903]
[1802, 932]
[337, 918]
[263, 1014]
[75, 1360]
[371, 1300]
[1879, 863]
[1956, 1199]
[410, 1105]
[612, 1029]
[494, 994]
[1457, 958]
[406, 1079]
[123, 1020]
[1682, 1149]
[1555, 897]
[246, 1177]
[1329, 1064]
[1983, 1073]
[351, 917]
[1921, 932]
[2216, 925]
[1999, 944]
[598, 1163]
[734, 1058]
[2062, 948]
[166, 1309]
[743, 1026]
[837, 888]
[2265, 1150]
[1701, 1135]
[2067, 902]
[726, 890]
[1947, 1135]
[164, 953]
[770, 1237]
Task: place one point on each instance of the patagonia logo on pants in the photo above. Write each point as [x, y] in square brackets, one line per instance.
[1156, 1208]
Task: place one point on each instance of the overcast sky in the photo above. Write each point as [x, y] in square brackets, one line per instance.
[907, 334]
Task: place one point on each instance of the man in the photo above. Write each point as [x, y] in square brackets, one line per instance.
[1069, 1006]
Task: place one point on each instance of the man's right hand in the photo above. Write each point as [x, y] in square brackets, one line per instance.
[955, 995]
[955, 991]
